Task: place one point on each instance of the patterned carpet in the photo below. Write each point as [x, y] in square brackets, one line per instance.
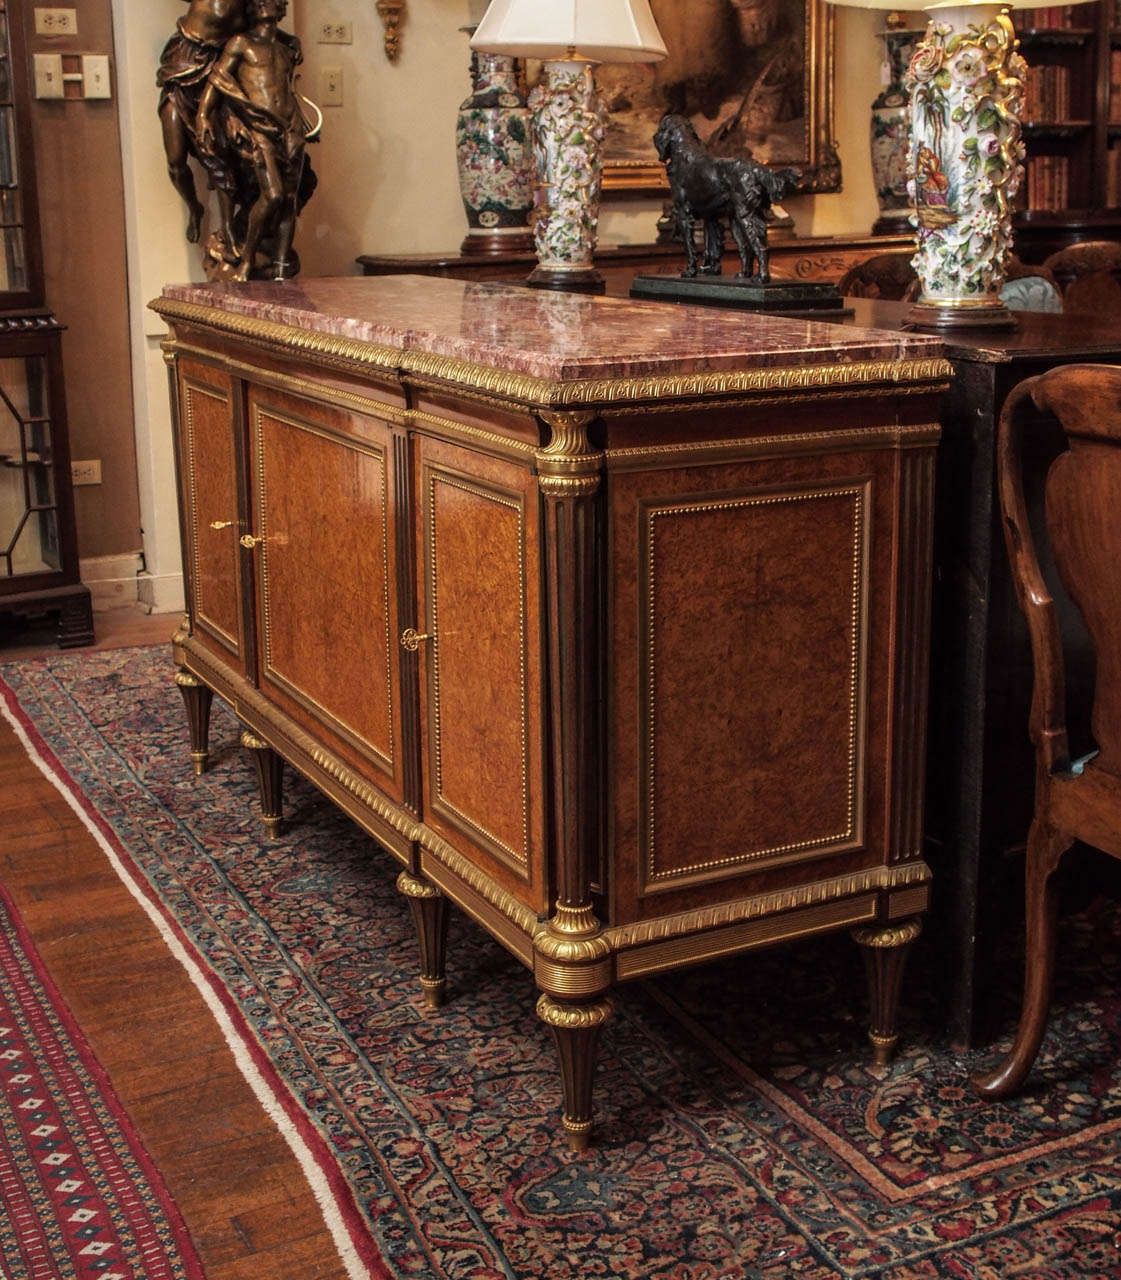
[78, 1195]
[742, 1131]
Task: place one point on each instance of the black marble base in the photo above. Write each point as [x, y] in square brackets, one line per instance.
[71, 603]
[795, 298]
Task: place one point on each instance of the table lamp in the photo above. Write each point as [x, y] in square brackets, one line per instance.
[966, 81]
[569, 116]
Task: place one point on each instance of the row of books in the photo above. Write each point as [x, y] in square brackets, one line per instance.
[1048, 182]
[1113, 177]
[1058, 16]
[1115, 86]
[1047, 93]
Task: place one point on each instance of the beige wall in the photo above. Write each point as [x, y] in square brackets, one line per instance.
[387, 184]
[387, 159]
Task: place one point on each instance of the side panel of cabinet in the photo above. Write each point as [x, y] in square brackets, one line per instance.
[751, 629]
[322, 510]
[482, 712]
[210, 438]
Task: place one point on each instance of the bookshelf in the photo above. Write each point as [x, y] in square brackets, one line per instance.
[1072, 125]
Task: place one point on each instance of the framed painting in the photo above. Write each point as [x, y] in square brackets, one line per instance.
[754, 76]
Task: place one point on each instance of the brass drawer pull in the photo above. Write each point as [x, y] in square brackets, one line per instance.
[249, 541]
[220, 524]
[411, 639]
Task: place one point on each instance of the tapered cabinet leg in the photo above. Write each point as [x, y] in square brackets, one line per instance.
[197, 698]
[1045, 849]
[270, 778]
[430, 915]
[576, 1029]
[885, 950]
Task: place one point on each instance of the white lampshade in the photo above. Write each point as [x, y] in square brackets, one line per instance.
[593, 30]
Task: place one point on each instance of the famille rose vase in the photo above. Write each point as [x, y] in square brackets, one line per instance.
[497, 175]
[966, 85]
[569, 123]
[891, 133]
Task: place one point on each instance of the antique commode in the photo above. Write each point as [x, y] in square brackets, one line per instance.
[608, 620]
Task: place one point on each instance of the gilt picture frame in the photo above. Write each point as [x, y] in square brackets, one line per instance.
[754, 76]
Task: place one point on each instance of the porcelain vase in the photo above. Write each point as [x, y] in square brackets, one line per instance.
[497, 174]
[966, 84]
[569, 122]
[891, 133]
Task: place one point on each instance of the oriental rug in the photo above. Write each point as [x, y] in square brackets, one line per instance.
[742, 1134]
[78, 1195]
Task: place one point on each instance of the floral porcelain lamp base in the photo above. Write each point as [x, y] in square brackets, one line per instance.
[966, 85]
[890, 133]
[497, 175]
[569, 116]
[569, 122]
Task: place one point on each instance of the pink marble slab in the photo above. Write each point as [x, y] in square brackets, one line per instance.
[551, 335]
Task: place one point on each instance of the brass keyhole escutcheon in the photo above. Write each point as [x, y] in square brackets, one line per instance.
[411, 639]
[249, 541]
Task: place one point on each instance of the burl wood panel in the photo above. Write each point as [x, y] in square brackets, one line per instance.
[479, 575]
[752, 605]
[747, 669]
[209, 470]
[327, 630]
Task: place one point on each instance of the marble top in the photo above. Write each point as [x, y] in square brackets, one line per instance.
[551, 335]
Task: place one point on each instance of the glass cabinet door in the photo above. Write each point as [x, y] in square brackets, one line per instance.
[29, 531]
[13, 258]
[21, 275]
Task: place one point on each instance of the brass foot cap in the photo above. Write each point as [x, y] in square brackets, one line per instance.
[883, 1048]
[434, 989]
[578, 1133]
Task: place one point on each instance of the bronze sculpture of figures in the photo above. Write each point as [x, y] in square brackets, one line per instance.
[713, 189]
[228, 99]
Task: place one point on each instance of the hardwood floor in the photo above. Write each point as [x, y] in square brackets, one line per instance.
[246, 1202]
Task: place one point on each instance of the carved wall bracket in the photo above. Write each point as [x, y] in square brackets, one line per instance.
[392, 15]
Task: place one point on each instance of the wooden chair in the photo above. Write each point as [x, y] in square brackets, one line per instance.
[1073, 800]
[883, 275]
[1089, 275]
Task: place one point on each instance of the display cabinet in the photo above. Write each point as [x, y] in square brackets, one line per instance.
[38, 541]
[1072, 127]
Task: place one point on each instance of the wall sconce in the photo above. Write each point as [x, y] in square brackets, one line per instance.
[392, 14]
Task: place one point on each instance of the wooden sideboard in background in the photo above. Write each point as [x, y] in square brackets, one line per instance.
[792, 257]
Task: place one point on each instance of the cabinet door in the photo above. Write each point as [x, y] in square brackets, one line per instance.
[481, 686]
[751, 626]
[322, 510]
[210, 440]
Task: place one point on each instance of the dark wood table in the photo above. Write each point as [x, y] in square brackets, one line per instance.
[980, 771]
[792, 258]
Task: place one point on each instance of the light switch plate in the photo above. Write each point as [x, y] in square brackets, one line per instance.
[331, 87]
[95, 75]
[48, 76]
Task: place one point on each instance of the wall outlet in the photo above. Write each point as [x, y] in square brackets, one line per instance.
[56, 22]
[331, 87]
[335, 33]
[86, 472]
